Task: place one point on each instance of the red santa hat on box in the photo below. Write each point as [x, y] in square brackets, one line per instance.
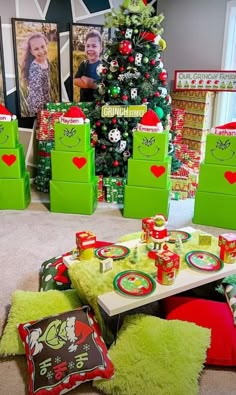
[150, 122]
[5, 115]
[74, 116]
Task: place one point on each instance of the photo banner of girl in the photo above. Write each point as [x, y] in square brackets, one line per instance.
[37, 63]
[2, 74]
[87, 44]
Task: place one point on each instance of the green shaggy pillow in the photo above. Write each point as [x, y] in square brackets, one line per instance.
[29, 306]
[156, 356]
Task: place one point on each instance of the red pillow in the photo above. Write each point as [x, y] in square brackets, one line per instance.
[209, 314]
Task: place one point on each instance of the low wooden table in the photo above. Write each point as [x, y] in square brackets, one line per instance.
[114, 303]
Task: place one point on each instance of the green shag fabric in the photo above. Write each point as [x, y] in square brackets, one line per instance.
[155, 356]
[130, 236]
[28, 306]
[89, 282]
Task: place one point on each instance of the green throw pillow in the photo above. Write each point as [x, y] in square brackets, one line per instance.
[29, 306]
[156, 356]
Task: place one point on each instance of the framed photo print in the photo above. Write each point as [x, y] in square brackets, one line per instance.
[37, 63]
[87, 44]
[2, 73]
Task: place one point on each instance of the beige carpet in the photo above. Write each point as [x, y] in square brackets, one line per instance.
[29, 237]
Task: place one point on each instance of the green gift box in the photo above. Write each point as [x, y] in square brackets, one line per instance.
[9, 134]
[149, 173]
[73, 197]
[217, 178]
[220, 150]
[73, 166]
[150, 146]
[74, 138]
[12, 162]
[15, 193]
[214, 209]
[141, 202]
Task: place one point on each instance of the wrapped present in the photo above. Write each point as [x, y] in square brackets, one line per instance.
[101, 192]
[227, 256]
[195, 145]
[177, 116]
[45, 124]
[85, 239]
[194, 107]
[179, 183]
[194, 134]
[167, 263]
[114, 189]
[197, 121]
[194, 95]
[227, 241]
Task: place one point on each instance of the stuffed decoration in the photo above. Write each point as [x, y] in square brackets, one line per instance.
[135, 6]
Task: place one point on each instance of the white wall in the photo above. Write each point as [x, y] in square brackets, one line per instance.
[193, 30]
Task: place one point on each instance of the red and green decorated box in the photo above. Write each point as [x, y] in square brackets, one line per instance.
[85, 239]
[227, 241]
[167, 263]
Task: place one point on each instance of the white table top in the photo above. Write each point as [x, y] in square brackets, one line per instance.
[115, 303]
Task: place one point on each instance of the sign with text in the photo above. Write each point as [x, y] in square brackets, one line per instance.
[205, 80]
[132, 111]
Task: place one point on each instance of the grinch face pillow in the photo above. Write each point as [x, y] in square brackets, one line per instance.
[63, 351]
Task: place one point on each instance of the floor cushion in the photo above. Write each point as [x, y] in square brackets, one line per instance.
[28, 306]
[155, 356]
[209, 314]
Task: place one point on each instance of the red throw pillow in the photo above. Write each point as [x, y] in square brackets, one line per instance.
[209, 314]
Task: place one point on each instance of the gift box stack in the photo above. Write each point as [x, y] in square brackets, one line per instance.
[216, 193]
[14, 179]
[73, 187]
[184, 183]
[148, 187]
[198, 107]
[114, 189]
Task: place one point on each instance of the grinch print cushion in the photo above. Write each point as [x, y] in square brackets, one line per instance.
[64, 351]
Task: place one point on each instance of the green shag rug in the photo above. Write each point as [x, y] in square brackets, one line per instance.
[155, 356]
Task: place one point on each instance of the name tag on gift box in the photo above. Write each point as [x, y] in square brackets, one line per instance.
[106, 265]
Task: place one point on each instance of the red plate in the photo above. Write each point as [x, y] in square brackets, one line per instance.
[203, 260]
[134, 283]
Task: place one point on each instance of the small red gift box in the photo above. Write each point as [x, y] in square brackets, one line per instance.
[227, 256]
[85, 239]
[227, 241]
[167, 263]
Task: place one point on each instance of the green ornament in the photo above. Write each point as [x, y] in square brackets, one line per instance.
[104, 128]
[159, 112]
[114, 91]
[136, 31]
[145, 60]
[147, 46]
[126, 134]
[109, 76]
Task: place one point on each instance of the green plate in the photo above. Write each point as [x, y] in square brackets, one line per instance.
[114, 251]
[204, 261]
[134, 283]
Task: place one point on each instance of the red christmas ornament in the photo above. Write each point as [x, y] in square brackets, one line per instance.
[163, 75]
[157, 94]
[114, 121]
[98, 124]
[103, 147]
[124, 97]
[153, 62]
[147, 75]
[144, 100]
[131, 59]
[104, 70]
[125, 47]
[115, 163]
[122, 69]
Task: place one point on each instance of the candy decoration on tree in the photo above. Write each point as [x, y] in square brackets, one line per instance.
[150, 122]
[125, 47]
[101, 70]
[114, 135]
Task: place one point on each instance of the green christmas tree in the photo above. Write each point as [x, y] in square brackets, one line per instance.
[131, 73]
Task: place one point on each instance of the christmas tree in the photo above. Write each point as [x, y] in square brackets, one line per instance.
[131, 73]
